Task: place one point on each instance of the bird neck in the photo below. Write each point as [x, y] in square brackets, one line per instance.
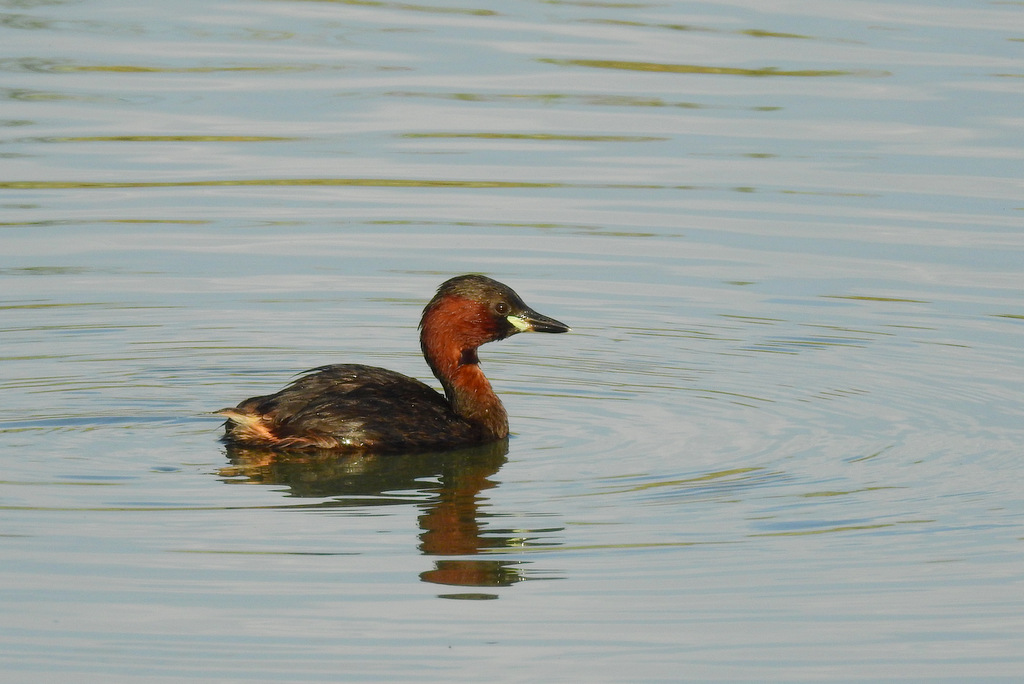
[451, 355]
[471, 396]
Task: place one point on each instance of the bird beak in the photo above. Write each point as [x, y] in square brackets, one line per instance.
[529, 320]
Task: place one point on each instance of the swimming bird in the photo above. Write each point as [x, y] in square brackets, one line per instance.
[357, 408]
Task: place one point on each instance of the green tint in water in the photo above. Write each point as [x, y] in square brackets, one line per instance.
[782, 441]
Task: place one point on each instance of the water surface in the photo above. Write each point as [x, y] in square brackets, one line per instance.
[782, 442]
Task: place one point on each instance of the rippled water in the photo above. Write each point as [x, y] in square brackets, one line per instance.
[783, 441]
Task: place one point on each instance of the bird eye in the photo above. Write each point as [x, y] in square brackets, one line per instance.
[501, 308]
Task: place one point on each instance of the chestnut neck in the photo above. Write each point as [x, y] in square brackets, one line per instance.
[450, 332]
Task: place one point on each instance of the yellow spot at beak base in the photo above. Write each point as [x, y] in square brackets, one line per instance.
[518, 323]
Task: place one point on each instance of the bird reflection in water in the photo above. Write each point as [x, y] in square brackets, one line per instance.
[451, 519]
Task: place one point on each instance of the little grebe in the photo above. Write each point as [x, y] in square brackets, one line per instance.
[352, 407]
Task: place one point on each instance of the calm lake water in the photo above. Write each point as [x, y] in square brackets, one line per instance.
[783, 442]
